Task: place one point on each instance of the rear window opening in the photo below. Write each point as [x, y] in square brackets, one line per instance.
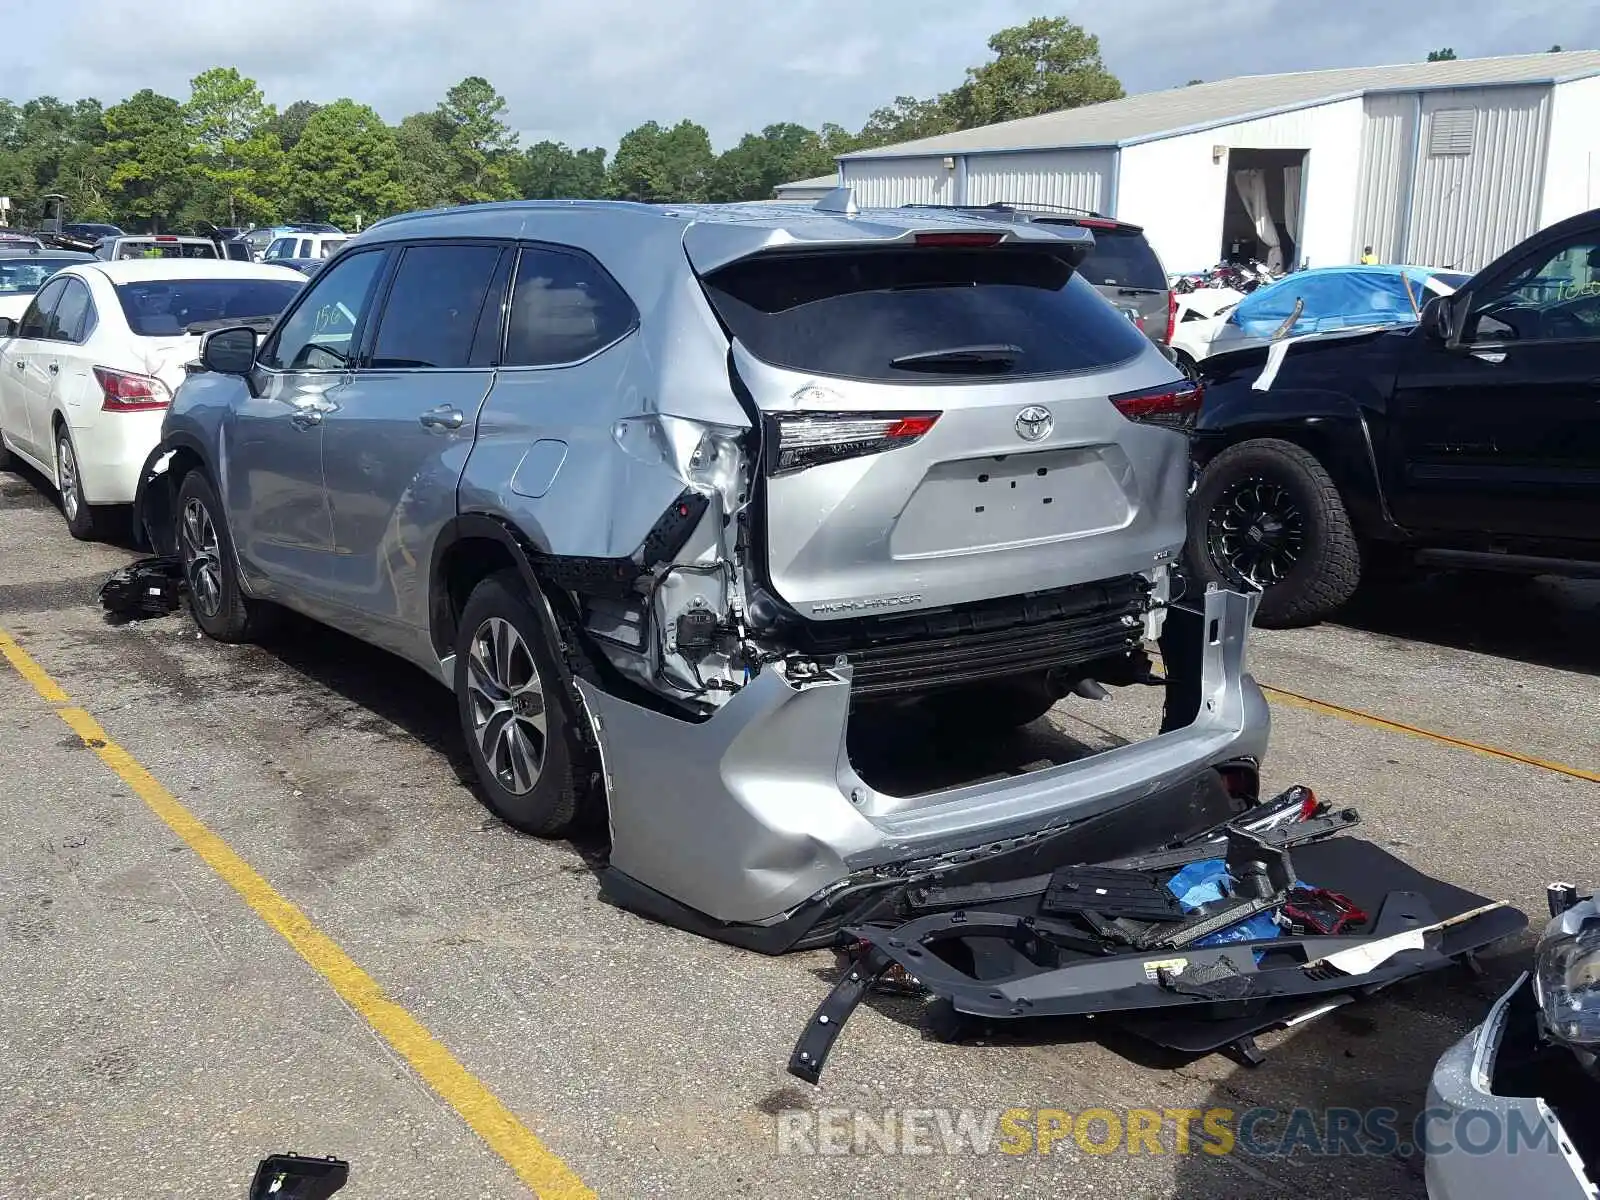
[919, 315]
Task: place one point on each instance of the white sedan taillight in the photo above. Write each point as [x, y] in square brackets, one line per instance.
[124, 391]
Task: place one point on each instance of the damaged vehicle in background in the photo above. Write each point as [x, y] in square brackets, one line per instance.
[1529, 1076]
[1468, 439]
[685, 501]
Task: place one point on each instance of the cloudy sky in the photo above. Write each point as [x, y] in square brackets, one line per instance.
[586, 72]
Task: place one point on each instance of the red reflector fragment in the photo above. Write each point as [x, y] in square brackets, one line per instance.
[123, 391]
[959, 239]
[911, 427]
[1175, 405]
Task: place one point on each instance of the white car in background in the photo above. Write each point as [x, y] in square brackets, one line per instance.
[304, 246]
[88, 369]
[23, 273]
[1312, 301]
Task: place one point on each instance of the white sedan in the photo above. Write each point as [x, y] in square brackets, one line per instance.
[87, 372]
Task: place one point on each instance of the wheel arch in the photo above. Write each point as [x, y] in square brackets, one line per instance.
[155, 497]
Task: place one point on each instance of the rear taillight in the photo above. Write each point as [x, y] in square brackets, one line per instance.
[1174, 405]
[1172, 314]
[123, 391]
[959, 239]
[811, 439]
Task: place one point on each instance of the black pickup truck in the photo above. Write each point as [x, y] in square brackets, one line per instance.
[1470, 438]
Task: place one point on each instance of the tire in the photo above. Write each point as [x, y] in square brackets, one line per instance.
[1267, 516]
[992, 707]
[216, 600]
[509, 682]
[84, 520]
[8, 461]
[1187, 365]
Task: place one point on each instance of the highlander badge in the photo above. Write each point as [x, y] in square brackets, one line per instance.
[1034, 423]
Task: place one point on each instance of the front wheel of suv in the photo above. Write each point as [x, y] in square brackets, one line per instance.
[1267, 517]
[516, 717]
[216, 600]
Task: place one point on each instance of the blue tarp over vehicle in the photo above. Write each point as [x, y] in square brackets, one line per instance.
[1341, 298]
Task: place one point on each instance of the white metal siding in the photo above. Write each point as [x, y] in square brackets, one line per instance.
[1467, 208]
[1072, 178]
[889, 183]
[1176, 187]
[1572, 168]
[1387, 145]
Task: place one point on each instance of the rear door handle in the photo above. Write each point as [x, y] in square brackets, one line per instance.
[443, 417]
[55, 368]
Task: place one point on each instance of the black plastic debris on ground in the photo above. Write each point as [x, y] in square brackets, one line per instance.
[1037, 949]
[147, 587]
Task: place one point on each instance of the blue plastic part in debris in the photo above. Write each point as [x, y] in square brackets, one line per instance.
[1207, 881]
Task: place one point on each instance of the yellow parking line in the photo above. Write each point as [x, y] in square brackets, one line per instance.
[1377, 722]
[535, 1164]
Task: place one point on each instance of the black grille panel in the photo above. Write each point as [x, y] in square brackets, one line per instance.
[993, 640]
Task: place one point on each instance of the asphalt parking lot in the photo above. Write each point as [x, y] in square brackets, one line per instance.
[161, 1032]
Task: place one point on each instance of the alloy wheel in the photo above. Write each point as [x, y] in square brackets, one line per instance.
[508, 706]
[67, 472]
[1255, 533]
[202, 557]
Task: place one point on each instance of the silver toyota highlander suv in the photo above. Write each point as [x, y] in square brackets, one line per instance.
[671, 496]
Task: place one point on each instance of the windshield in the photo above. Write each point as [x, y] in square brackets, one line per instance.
[24, 276]
[168, 307]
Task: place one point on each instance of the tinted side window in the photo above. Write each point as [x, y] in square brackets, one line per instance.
[1555, 298]
[433, 307]
[564, 308]
[914, 314]
[317, 335]
[73, 316]
[35, 320]
[1123, 260]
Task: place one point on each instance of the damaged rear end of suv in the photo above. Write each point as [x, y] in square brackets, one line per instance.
[683, 502]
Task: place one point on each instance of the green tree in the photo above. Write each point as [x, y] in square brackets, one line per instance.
[146, 156]
[1445, 55]
[553, 171]
[906, 119]
[479, 144]
[1045, 65]
[659, 165]
[345, 167]
[425, 163]
[291, 123]
[760, 162]
[239, 167]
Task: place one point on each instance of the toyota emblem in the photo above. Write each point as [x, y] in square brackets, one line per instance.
[1034, 423]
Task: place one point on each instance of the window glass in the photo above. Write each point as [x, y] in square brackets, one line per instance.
[433, 307]
[24, 276]
[72, 315]
[38, 314]
[1122, 258]
[329, 245]
[1555, 297]
[317, 335]
[281, 248]
[904, 314]
[169, 307]
[564, 308]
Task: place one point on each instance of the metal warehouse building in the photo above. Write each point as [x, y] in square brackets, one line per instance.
[1444, 164]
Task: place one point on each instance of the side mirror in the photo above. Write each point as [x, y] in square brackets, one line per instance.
[229, 351]
[8, 327]
[297, 1177]
[1437, 320]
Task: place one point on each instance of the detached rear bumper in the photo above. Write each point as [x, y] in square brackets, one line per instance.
[756, 817]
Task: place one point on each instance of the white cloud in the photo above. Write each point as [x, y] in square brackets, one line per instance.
[585, 73]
